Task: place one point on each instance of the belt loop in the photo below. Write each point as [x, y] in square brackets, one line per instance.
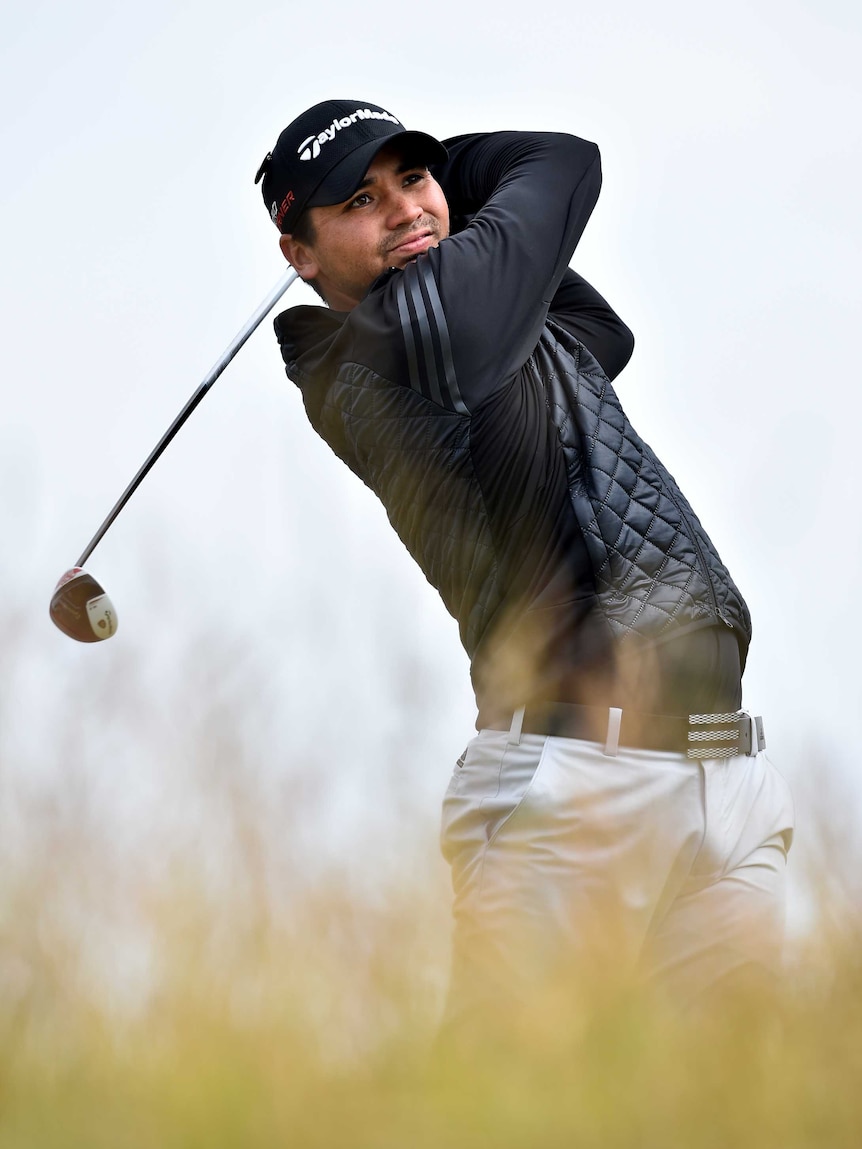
[612, 743]
[753, 739]
[515, 728]
[761, 737]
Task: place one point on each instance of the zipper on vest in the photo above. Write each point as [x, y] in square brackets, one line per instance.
[704, 569]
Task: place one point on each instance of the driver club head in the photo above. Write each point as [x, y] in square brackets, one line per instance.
[81, 609]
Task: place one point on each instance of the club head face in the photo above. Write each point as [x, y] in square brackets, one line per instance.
[81, 609]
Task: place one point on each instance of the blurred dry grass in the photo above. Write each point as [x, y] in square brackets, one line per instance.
[179, 967]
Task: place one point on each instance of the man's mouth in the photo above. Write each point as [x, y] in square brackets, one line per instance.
[415, 244]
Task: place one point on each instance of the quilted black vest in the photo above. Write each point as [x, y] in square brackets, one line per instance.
[543, 519]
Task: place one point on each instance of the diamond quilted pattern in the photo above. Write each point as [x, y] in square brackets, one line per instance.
[654, 564]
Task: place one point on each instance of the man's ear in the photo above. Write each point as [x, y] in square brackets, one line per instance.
[299, 256]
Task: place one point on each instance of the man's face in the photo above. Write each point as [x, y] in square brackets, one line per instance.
[398, 212]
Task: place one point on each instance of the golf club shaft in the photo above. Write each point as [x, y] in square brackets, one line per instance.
[214, 373]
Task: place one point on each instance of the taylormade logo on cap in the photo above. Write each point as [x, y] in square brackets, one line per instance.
[309, 149]
[301, 172]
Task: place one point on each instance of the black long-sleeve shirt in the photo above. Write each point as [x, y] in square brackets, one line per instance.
[515, 270]
[430, 390]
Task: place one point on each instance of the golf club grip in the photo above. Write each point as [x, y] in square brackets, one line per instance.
[219, 366]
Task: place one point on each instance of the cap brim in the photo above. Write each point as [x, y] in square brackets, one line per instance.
[342, 181]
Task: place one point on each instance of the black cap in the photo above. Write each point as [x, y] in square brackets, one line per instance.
[322, 157]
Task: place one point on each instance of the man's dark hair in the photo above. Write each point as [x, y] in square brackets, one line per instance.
[304, 232]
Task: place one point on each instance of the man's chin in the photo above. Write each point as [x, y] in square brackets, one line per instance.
[406, 252]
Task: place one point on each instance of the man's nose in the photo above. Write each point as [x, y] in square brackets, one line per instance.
[403, 208]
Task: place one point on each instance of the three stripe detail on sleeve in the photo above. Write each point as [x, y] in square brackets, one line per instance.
[426, 337]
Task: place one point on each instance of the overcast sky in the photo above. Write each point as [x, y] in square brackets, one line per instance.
[136, 244]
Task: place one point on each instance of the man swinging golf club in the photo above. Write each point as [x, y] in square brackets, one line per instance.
[616, 798]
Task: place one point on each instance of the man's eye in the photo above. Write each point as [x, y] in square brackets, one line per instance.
[415, 177]
[361, 200]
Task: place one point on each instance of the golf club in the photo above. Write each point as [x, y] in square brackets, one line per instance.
[79, 605]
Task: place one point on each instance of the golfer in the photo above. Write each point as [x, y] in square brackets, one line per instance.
[616, 802]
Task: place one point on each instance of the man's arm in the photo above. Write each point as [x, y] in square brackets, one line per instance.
[579, 308]
[472, 309]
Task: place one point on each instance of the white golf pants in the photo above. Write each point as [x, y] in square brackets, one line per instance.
[566, 860]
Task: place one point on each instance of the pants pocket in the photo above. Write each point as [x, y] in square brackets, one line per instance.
[787, 812]
[485, 793]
